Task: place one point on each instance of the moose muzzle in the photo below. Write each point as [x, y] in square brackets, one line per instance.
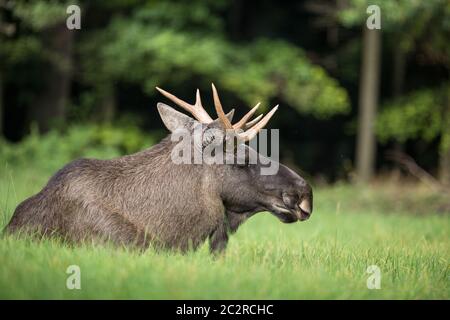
[299, 204]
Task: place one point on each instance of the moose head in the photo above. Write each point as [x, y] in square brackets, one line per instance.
[244, 190]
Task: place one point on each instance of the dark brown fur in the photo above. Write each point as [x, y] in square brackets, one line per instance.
[145, 199]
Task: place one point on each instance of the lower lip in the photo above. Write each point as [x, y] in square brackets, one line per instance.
[303, 216]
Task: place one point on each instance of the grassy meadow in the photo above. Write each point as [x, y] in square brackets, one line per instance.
[402, 229]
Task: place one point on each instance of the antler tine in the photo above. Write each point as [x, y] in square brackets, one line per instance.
[196, 110]
[198, 100]
[219, 109]
[245, 118]
[250, 124]
[253, 131]
[181, 103]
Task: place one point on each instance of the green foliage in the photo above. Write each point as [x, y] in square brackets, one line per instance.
[168, 49]
[19, 50]
[52, 150]
[407, 20]
[179, 45]
[418, 115]
[203, 15]
[394, 14]
[31, 18]
[39, 15]
[275, 68]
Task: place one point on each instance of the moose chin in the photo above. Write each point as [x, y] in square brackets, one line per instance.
[145, 199]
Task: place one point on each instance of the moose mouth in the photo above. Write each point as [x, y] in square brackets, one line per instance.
[288, 215]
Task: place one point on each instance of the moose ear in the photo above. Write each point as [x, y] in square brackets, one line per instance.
[173, 119]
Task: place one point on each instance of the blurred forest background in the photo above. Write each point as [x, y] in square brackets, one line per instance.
[353, 102]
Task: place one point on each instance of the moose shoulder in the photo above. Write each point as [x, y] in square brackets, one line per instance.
[147, 198]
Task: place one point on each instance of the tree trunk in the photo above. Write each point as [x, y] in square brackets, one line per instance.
[368, 100]
[107, 104]
[50, 109]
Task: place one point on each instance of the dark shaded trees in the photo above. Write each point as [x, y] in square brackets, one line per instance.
[50, 107]
[307, 56]
[40, 36]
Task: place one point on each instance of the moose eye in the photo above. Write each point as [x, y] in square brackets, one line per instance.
[211, 135]
[208, 139]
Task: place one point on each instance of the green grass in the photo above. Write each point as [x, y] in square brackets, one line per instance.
[401, 230]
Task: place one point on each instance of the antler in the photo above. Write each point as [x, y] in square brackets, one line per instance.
[250, 124]
[253, 131]
[245, 118]
[196, 109]
[219, 109]
[255, 128]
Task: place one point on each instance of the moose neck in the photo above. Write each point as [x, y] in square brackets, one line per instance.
[155, 171]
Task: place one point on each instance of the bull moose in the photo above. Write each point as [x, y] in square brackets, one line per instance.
[145, 199]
